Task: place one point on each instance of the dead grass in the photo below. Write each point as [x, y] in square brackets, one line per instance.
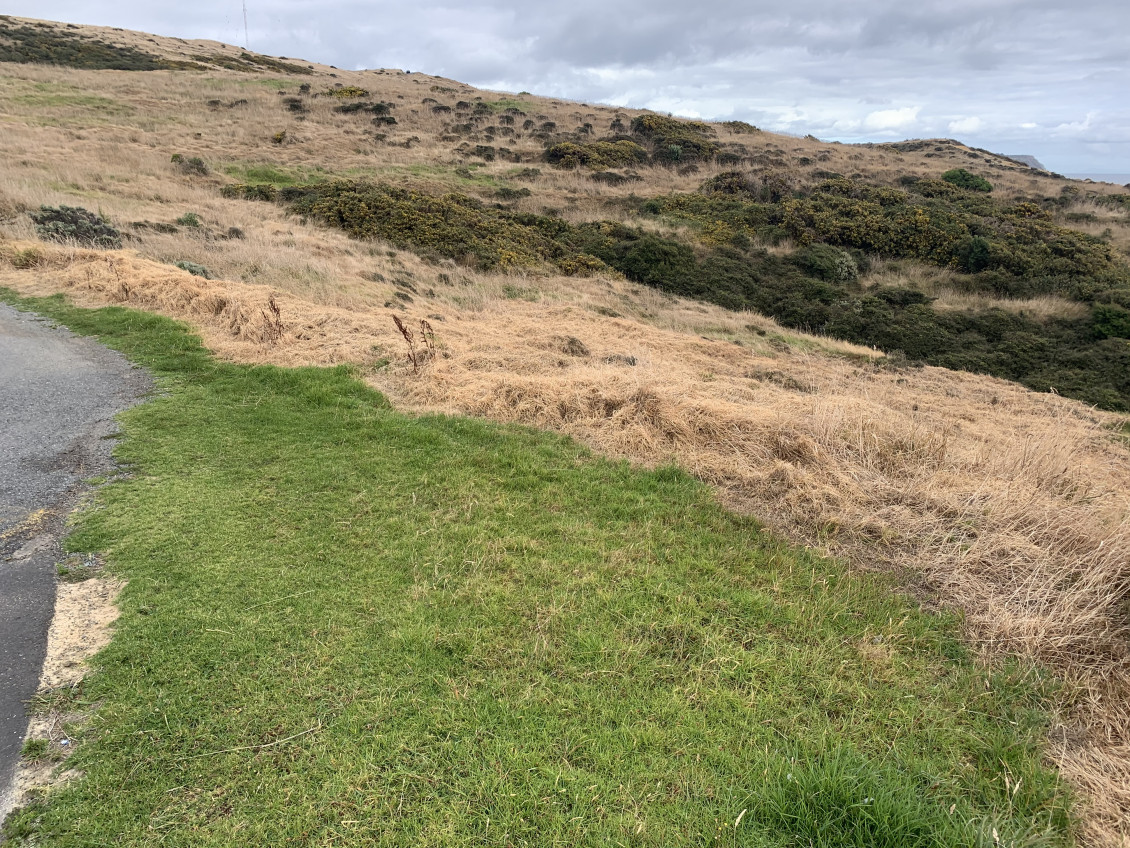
[1042, 308]
[942, 285]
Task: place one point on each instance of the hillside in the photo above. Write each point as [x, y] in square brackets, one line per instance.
[841, 339]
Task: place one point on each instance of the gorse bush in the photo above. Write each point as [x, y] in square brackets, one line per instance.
[1016, 250]
[933, 221]
[254, 63]
[75, 224]
[815, 290]
[44, 44]
[351, 107]
[48, 46]
[963, 179]
[1112, 320]
[675, 141]
[731, 182]
[596, 155]
[455, 226]
[190, 165]
[827, 263]
[346, 91]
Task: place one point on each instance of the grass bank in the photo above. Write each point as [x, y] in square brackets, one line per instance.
[348, 626]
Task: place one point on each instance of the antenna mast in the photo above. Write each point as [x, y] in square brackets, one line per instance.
[246, 45]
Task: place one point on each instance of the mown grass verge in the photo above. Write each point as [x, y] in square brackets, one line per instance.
[348, 626]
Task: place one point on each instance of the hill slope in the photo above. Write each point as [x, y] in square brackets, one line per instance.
[590, 279]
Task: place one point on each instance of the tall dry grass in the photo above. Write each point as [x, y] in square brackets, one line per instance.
[943, 284]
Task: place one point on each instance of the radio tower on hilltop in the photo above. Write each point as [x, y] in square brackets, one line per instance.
[246, 45]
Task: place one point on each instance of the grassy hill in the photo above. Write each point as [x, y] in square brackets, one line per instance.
[839, 339]
[1037, 287]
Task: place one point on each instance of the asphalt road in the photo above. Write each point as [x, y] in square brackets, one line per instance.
[58, 395]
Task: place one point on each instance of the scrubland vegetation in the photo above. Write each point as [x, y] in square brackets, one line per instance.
[766, 312]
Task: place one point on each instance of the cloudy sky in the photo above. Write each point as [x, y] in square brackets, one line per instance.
[1044, 77]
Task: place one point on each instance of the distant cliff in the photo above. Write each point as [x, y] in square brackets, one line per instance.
[1030, 161]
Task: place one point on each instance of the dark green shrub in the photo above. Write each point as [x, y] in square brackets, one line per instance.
[613, 178]
[48, 46]
[189, 219]
[250, 191]
[351, 107]
[254, 63]
[346, 91]
[673, 140]
[827, 263]
[596, 155]
[740, 127]
[963, 179]
[454, 226]
[192, 165]
[655, 261]
[1112, 320]
[731, 182]
[75, 224]
[507, 193]
[974, 254]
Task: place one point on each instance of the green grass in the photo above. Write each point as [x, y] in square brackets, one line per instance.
[349, 626]
[277, 84]
[506, 103]
[48, 100]
[263, 173]
[53, 96]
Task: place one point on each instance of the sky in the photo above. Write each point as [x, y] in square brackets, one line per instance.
[1049, 78]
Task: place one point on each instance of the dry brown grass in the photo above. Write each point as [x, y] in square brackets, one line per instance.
[1010, 505]
[942, 284]
[1042, 308]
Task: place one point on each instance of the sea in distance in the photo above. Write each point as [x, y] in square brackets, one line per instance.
[1117, 179]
